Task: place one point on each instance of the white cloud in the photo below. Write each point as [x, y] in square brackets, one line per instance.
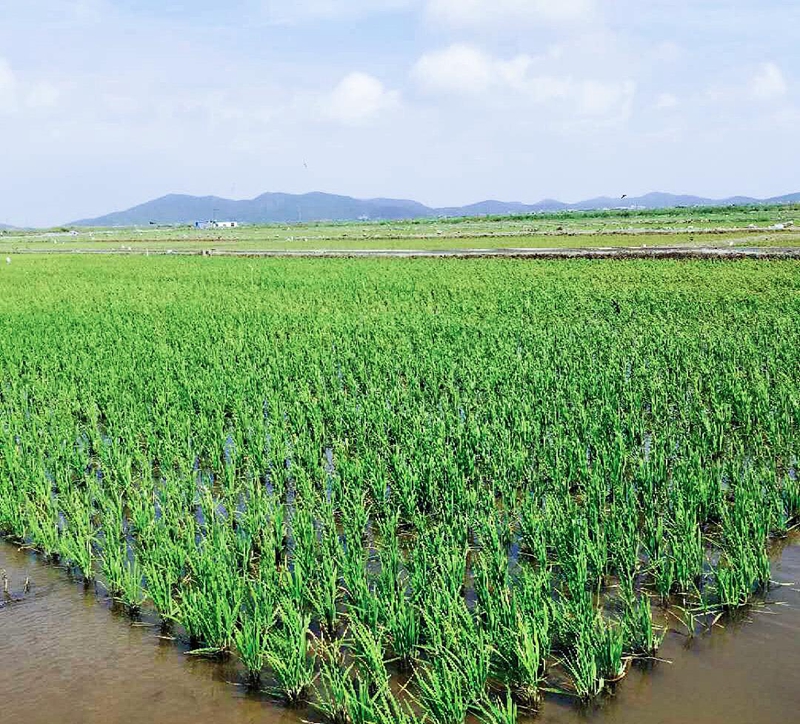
[508, 12]
[765, 83]
[589, 98]
[665, 101]
[17, 96]
[458, 69]
[42, 95]
[668, 51]
[88, 11]
[768, 83]
[282, 12]
[601, 98]
[359, 98]
[8, 88]
[466, 70]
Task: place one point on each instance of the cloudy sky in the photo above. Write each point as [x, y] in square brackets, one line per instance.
[108, 103]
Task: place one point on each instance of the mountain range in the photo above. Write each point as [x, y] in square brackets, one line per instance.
[288, 208]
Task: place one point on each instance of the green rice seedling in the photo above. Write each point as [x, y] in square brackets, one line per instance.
[367, 648]
[79, 538]
[315, 565]
[446, 557]
[402, 621]
[517, 628]
[578, 558]
[443, 692]
[790, 494]
[356, 509]
[609, 648]
[113, 563]
[343, 697]
[583, 671]
[688, 551]
[139, 514]
[532, 531]
[622, 533]
[163, 573]
[505, 711]
[744, 566]
[131, 593]
[277, 533]
[663, 571]
[212, 597]
[524, 641]
[459, 651]
[13, 523]
[399, 616]
[13, 503]
[253, 630]
[336, 695]
[361, 600]
[289, 653]
[519, 661]
[41, 515]
[688, 617]
[254, 518]
[594, 648]
[640, 634]
[492, 597]
[734, 584]
[390, 710]
[324, 591]
[122, 571]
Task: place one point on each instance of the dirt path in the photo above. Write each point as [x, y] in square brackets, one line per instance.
[655, 252]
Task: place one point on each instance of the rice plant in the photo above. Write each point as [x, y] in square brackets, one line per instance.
[252, 636]
[289, 653]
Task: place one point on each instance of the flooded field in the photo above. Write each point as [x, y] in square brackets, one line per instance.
[68, 657]
[342, 472]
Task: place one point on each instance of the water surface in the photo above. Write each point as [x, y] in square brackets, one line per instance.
[67, 657]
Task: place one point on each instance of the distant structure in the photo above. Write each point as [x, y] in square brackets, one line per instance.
[216, 224]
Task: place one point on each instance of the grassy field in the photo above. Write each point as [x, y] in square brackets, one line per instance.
[716, 227]
[483, 480]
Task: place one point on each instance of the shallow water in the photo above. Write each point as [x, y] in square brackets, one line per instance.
[67, 657]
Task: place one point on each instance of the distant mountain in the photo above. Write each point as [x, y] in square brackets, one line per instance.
[288, 208]
[787, 199]
[486, 208]
[658, 200]
[270, 207]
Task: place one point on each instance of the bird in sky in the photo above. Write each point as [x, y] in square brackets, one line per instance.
[624, 196]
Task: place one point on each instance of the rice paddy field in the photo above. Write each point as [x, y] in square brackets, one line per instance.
[413, 490]
[759, 226]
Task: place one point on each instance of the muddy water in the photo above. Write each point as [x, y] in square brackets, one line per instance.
[66, 657]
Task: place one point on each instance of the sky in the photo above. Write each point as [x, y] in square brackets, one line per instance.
[108, 103]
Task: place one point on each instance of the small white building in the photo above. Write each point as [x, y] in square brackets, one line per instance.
[216, 224]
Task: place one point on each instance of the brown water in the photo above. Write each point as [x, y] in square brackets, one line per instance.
[66, 657]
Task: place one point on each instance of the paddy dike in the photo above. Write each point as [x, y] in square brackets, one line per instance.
[623, 252]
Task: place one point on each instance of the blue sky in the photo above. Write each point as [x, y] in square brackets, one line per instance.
[105, 104]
